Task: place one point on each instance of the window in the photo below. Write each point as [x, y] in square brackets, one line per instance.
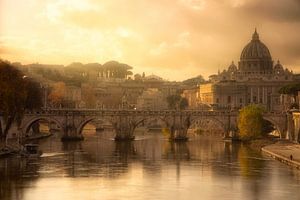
[241, 100]
[229, 99]
[254, 99]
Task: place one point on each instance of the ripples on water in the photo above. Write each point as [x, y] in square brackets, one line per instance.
[149, 168]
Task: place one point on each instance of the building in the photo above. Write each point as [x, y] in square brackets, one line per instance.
[256, 80]
[72, 96]
[152, 99]
[192, 96]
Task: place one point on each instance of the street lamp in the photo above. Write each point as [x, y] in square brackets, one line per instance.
[45, 91]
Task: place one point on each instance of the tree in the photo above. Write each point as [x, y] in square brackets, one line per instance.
[194, 81]
[177, 102]
[291, 89]
[18, 93]
[183, 104]
[250, 122]
[173, 101]
[88, 96]
[57, 94]
[117, 70]
[34, 98]
[137, 77]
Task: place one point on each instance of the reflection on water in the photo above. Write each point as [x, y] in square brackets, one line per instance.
[149, 168]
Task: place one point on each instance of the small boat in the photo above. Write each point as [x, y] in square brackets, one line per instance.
[31, 151]
[5, 152]
[38, 136]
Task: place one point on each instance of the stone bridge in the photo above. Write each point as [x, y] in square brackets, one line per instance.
[124, 122]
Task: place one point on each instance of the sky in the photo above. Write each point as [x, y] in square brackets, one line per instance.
[175, 39]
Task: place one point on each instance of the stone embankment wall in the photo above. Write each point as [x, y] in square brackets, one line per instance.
[287, 153]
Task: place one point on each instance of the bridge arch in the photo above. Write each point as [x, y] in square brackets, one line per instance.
[221, 123]
[83, 123]
[277, 124]
[28, 124]
[152, 119]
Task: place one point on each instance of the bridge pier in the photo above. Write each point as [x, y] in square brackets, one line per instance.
[70, 134]
[124, 134]
[178, 126]
[124, 126]
[180, 134]
[231, 134]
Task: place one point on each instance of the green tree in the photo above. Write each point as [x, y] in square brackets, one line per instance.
[177, 102]
[183, 104]
[173, 101]
[18, 93]
[194, 81]
[250, 122]
[57, 94]
[291, 89]
[117, 70]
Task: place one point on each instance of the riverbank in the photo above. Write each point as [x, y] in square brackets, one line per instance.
[285, 152]
[258, 144]
[12, 146]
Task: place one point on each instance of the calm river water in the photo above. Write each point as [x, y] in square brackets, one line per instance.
[148, 168]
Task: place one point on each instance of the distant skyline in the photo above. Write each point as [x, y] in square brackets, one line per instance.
[175, 39]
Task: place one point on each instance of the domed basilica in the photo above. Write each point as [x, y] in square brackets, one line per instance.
[255, 80]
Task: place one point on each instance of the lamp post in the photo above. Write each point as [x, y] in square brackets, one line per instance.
[45, 91]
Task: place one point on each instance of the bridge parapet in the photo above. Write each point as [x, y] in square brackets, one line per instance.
[129, 112]
[176, 120]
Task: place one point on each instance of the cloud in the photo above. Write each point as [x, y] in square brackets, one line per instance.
[194, 4]
[277, 11]
[188, 36]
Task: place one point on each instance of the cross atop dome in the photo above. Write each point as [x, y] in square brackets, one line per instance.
[255, 35]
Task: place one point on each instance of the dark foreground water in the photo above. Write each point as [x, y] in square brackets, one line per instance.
[149, 168]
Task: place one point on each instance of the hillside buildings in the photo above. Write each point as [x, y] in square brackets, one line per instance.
[255, 79]
[152, 99]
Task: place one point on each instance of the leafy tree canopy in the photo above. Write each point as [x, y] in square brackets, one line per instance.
[17, 94]
[194, 81]
[177, 102]
[251, 122]
[291, 89]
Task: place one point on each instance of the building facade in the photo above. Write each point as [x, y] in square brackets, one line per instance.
[256, 80]
[152, 99]
[192, 96]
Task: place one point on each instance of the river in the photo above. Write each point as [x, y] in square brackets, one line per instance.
[151, 167]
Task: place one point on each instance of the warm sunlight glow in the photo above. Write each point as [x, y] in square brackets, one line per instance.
[175, 39]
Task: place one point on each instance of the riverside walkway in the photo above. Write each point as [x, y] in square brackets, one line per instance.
[284, 151]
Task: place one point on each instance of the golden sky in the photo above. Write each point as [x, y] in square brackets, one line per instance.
[175, 39]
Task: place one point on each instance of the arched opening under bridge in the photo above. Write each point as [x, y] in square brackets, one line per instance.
[150, 126]
[271, 127]
[207, 126]
[42, 126]
[93, 127]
